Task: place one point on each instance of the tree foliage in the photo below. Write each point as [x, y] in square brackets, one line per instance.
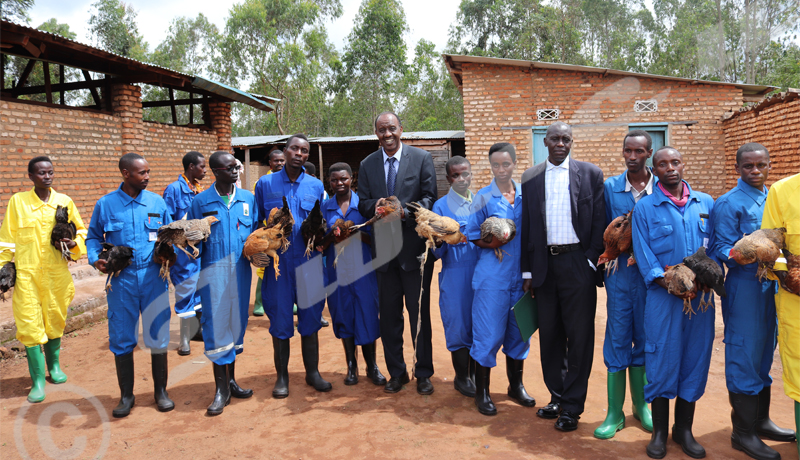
[113, 27]
[16, 10]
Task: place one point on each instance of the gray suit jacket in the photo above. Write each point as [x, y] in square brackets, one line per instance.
[416, 181]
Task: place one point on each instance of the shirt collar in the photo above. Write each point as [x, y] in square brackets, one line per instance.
[332, 205]
[497, 193]
[648, 187]
[663, 198]
[285, 176]
[396, 155]
[759, 196]
[459, 200]
[231, 198]
[194, 187]
[38, 203]
[126, 199]
[564, 164]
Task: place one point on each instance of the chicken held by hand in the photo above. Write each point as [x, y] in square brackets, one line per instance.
[496, 228]
[617, 239]
[183, 233]
[434, 228]
[680, 281]
[762, 246]
[264, 244]
[707, 273]
[117, 259]
[387, 209]
[313, 228]
[282, 216]
[64, 229]
[8, 277]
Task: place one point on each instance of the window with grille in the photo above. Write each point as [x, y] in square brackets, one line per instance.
[548, 114]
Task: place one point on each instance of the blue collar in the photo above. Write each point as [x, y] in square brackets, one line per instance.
[184, 186]
[333, 205]
[661, 198]
[457, 200]
[285, 176]
[126, 199]
[759, 196]
[497, 193]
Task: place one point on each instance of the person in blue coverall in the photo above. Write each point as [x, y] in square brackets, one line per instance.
[455, 279]
[348, 267]
[497, 284]
[225, 276]
[178, 196]
[748, 309]
[623, 347]
[131, 216]
[296, 284]
[669, 225]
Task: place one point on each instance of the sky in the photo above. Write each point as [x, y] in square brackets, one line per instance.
[154, 17]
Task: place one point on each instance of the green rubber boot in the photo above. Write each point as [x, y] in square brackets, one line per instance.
[797, 423]
[615, 420]
[258, 305]
[52, 350]
[36, 369]
[641, 411]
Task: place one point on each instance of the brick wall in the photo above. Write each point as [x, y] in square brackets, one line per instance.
[774, 123]
[497, 97]
[85, 146]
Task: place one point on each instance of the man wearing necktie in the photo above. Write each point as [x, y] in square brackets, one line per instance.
[409, 175]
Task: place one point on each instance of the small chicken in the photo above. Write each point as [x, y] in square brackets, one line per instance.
[434, 228]
[8, 277]
[680, 282]
[164, 255]
[340, 231]
[265, 240]
[708, 273]
[182, 233]
[389, 209]
[63, 229]
[502, 229]
[282, 216]
[617, 239]
[117, 259]
[792, 280]
[313, 228]
[762, 246]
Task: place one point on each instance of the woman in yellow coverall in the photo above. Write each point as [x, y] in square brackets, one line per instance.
[783, 210]
[43, 289]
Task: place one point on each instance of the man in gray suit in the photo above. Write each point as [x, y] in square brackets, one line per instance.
[407, 173]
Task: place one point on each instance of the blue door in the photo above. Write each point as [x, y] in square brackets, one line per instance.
[657, 131]
[539, 150]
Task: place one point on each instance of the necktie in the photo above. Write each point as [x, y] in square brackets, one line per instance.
[392, 176]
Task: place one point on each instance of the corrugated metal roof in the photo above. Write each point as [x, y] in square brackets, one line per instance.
[232, 93]
[450, 59]
[249, 141]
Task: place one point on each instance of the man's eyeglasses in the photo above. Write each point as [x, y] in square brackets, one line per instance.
[231, 170]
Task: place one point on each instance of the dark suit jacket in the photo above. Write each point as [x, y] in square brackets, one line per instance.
[416, 181]
[588, 216]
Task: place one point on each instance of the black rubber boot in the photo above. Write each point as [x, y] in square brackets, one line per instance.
[281, 349]
[743, 437]
[516, 390]
[236, 390]
[373, 372]
[682, 429]
[462, 382]
[158, 360]
[765, 427]
[184, 349]
[472, 365]
[351, 356]
[124, 365]
[658, 440]
[310, 346]
[196, 323]
[483, 400]
[222, 396]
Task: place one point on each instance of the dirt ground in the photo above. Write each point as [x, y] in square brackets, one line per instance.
[358, 421]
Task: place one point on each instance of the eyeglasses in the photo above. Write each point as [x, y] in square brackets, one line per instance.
[231, 170]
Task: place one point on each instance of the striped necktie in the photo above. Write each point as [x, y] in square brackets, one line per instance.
[392, 176]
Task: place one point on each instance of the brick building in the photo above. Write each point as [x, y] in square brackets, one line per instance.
[514, 101]
[86, 142]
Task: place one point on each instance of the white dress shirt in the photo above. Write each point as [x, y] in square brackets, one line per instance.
[396, 165]
[648, 189]
[557, 203]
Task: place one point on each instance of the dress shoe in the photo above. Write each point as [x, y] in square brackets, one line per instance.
[567, 421]
[552, 410]
[395, 384]
[424, 386]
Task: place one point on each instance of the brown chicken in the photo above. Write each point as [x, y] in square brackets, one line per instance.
[283, 217]
[502, 229]
[434, 228]
[792, 281]
[183, 233]
[707, 273]
[680, 281]
[8, 277]
[266, 240]
[762, 246]
[313, 228]
[617, 239]
[164, 255]
[340, 231]
[390, 209]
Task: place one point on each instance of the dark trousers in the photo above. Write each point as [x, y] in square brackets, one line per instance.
[567, 303]
[394, 284]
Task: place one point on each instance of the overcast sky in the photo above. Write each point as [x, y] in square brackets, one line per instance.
[154, 17]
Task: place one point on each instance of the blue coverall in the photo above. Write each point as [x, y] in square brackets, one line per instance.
[354, 303]
[184, 273]
[497, 285]
[677, 346]
[455, 279]
[225, 276]
[121, 220]
[751, 324]
[280, 296]
[625, 293]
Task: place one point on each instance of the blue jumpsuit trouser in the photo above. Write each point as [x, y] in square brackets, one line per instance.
[127, 299]
[184, 275]
[625, 299]
[354, 311]
[279, 296]
[455, 304]
[225, 308]
[494, 325]
[750, 332]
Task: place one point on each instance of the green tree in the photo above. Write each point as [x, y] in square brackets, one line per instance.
[432, 100]
[113, 27]
[16, 10]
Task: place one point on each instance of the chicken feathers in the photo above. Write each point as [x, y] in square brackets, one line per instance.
[313, 228]
[708, 273]
[434, 228]
[283, 217]
[8, 277]
[762, 246]
[680, 282]
[117, 259]
[617, 239]
[63, 229]
[503, 229]
[266, 240]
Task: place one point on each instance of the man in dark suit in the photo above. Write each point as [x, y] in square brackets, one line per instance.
[407, 173]
[563, 219]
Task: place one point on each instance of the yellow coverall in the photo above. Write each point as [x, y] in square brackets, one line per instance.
[43, 289]
[783, 210]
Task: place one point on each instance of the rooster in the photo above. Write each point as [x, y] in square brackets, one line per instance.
[502, 229]
[434, 228]
[182, 233]
[617, 239]
[386, 209]
[283, 217]
[164, 255]
[266, 240]
[8, 277]
[762, 246]
[792, 281]
[708, 273]
[313, 228]
[63, 229]
[680, 282]
[340, 231]
[117, 259]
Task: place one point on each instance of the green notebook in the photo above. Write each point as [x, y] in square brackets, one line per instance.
[526, 312]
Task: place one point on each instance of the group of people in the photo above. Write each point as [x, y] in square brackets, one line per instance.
[560, 209]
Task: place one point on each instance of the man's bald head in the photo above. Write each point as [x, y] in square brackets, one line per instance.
[559, 127]
[665, 149]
